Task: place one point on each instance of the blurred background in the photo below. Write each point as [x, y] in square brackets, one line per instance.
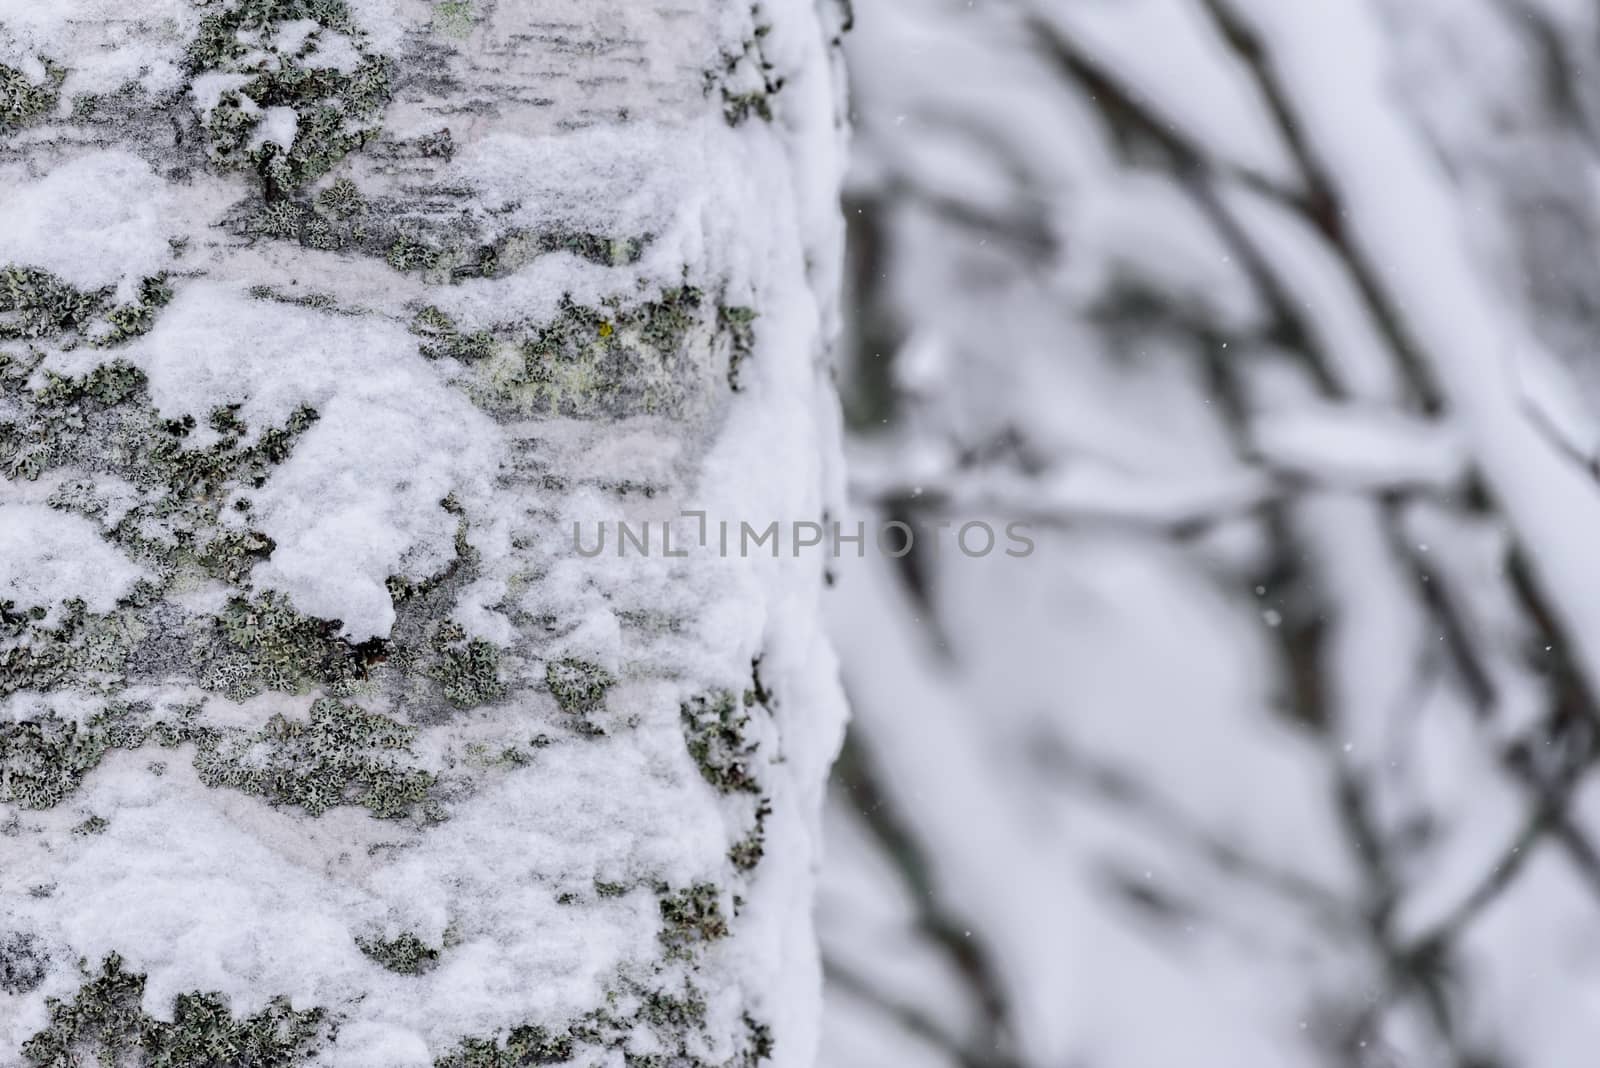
[1280, 321]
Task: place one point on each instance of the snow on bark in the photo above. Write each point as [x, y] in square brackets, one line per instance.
[321, 325]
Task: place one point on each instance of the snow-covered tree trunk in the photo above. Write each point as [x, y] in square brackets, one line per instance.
[327, 328]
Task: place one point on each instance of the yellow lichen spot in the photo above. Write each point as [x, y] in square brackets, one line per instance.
[605, 329]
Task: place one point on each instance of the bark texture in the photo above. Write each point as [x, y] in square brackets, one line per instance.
[323, 323]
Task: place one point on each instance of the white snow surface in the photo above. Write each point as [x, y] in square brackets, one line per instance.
[111, 43]
[99, 219]
[47, 557]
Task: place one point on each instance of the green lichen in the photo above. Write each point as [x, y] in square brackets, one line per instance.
[759, 1043]
[264, 643]
[22, 101]
[442, 339]
[342, 199]
[316, 301]
[454, 257]
[746, 853]
[670, 1021]
[615, 358]
[36, 305]
[103, 422]
[529, 1045]
[407, 253]
[714, 728]
[505, 757]
[691, 918]
[280, 219]
[231, 554]
[87, 650]
[600, 249]
[737, 108]
[105, 386]
[468, 669]
[336, 112]
[338, 755]
[677, 1012]
[429, 652]
[441, 250]
[42, 761]
[106, 1024]
[578, 686]
[404, 955]
[758, 693]
[124, 322]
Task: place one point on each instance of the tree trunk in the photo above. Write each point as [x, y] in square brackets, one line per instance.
[327, 329]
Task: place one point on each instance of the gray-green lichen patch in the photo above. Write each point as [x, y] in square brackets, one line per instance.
[580, 689]
[313, 299]
[615, 359]
[674, 1011]
[35, 305]
[527, 1045]
[671, 1021]
[717, 730]
[759, 1044]
[180, 514]
[441, 249]
[86, 650]
[263, 643]
[119, 463]
[106, 1024]
[691, 918]
[441, 337]
[102, 423]
[22, 100]
[714, 727]
[44, 760]
[745, 854]
[578, 686]
[405, 954]
[339, 755]
[430, 654]
[280, 110]
[467, 668]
